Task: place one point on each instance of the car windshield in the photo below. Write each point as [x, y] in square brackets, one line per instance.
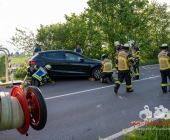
[71, 56]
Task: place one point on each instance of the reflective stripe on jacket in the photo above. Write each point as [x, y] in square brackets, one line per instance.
[136, 52]
[107, 65]
[123, 59]
[40, 73]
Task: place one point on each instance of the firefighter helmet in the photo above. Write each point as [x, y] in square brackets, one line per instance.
[104, 56]
[127, 45]
[132, 42]
[164, 45]
[117, 43]
[39, 43]
[48, 67]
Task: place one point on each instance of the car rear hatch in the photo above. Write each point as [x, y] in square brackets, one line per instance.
[35, 60]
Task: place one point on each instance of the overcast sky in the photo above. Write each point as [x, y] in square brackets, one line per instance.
[32, 13]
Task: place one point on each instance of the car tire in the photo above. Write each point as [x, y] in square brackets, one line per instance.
[96, 73]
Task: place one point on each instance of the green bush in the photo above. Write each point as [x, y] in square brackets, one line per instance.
[26, 60]
[2, 66]
[20, 73]
[23, 64]
[3, 79]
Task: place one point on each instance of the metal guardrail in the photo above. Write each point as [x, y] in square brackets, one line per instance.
[9, 61]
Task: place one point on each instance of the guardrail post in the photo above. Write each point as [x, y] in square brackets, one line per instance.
[9, 61]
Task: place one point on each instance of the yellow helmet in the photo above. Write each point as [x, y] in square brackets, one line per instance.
[48, 67]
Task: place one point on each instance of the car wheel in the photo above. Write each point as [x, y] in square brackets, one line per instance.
[96, 73]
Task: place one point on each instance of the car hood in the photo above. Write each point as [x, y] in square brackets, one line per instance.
[95, 60]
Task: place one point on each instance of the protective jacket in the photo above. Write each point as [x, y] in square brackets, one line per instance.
[117, 52]
[136, 52]
[164, 60]
[40, 74]
[36, 50]
[124, 57]
[107, 65]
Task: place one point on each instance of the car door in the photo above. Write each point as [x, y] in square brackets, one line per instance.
[56, 60]
[74, 65]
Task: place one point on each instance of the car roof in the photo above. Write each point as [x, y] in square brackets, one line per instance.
[57, 51]
[62, 51]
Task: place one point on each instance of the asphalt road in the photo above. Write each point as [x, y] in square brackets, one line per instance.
[79, 109]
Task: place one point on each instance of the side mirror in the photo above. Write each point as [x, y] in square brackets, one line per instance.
[82, 59]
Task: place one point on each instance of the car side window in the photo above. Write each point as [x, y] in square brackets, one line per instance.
[55, 55]
[44, 55]
[71, 56]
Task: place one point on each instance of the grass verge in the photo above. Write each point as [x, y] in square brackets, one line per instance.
[19, 59]
[156, 130]
[148, 62]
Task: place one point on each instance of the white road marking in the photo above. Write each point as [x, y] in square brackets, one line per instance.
[96, 89]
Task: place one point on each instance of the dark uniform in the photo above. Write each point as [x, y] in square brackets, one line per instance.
[124, 57]
[136, 57]
[164, 63]
[36, 50]
[78, 50]
[107, 71]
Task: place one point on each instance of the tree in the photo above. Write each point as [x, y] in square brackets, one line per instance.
[24, 40]
[12, 54]
[159, 26]
[22, 54]
[118, 20]
[53, 36]
[17, 54]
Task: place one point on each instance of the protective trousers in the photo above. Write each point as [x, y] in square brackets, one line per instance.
[35, 82]
[136, 69]
[164, 75]
[128, 78]
[104, 75]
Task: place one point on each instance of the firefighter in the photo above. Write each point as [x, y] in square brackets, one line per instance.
[38, 48]
[41, 76]
[136, 57]
[164, 64]
[125, 59]
[118, 45]
[107, 70]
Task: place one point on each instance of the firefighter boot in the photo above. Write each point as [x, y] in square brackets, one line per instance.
[129, 90]
[115, 89]
[108, 80]
[136, 78]
[164, 89]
